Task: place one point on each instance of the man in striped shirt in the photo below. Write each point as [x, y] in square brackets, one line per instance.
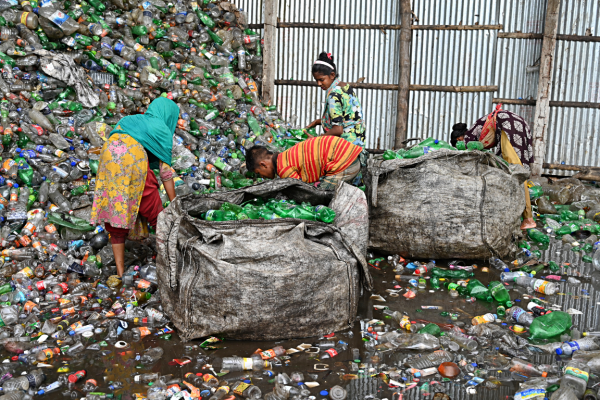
[328, 159]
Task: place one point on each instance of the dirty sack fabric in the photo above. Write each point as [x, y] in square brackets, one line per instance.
[263, 280]
[445, 204]
[62, 67]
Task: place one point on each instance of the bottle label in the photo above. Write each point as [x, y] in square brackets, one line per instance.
[517, 313]
[27, 271]
[50, 228]
[577, 373]
[252, 86]
[539, 285]
[246, 364]
[70, 310]
[208, 377]
[267, 354]
[24, 17]
[426, 149]
[64, 286]
[48, 353]
[144, 331]
[58, 18]
[119, 47]
[530, 394]
[30, 227]
[143, 284]
[574, 346]
[240, 388]
[332, 352]
[29, 306]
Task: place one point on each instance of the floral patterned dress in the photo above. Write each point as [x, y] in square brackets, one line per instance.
[120, 184]
[343, 108]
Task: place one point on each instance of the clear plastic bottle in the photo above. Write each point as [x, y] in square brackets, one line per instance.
[516, 315]
[539, 285]
[568, 348]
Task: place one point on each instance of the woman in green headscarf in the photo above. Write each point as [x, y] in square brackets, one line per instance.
[126, 198]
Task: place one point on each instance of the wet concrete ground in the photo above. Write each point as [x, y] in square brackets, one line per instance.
[121, 365]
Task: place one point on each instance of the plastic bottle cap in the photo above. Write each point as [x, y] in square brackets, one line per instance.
[559, 351]
[544, 374]
[324, 393]
[18, 150]
[506, 270]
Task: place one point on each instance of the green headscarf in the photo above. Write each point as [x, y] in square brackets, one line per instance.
[155, 129]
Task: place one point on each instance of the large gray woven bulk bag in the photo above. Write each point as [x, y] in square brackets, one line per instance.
[263, 280]
[445, 204]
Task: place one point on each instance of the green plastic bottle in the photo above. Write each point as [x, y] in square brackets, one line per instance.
[461, 145]
[432, 329]
[550, 325]
[566, 229]
[25, 175]
[532, 269]
[232, 207]
[475, 145]
[538, 236]
[418, 151]
[478, 290]
[267, 214]
[6, 288]
[79, 190]
[325, 214]
[218, 215]
[254, 125]
[139, 30]
[535, 192]
[390, 155]
[452, 273]
[554, 267]
[301, 213]
[500, 294]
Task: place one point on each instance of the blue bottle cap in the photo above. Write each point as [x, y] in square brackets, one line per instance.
[506, 270]
[73, 163]
[72, 148]
[18, 150]
[16, 185]
[299, 383]
[246, 381]
[324, 393]
[559, 351]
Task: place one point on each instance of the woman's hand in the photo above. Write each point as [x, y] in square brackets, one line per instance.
[313, 124]
[170, 189]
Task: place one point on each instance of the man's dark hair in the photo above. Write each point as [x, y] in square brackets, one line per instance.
[458, 130]
[255, 155]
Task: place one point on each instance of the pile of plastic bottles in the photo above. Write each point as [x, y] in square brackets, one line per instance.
[427, 146]
[121, 56]
[271, 209]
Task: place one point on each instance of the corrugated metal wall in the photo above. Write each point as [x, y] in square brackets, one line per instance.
[574, 136]
[369, 54]
[451, 58]
[518, 60]
[467, 58]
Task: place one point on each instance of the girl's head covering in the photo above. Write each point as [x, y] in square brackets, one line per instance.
[155, 129]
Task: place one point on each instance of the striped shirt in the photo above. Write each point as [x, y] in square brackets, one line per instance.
[317, 157]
